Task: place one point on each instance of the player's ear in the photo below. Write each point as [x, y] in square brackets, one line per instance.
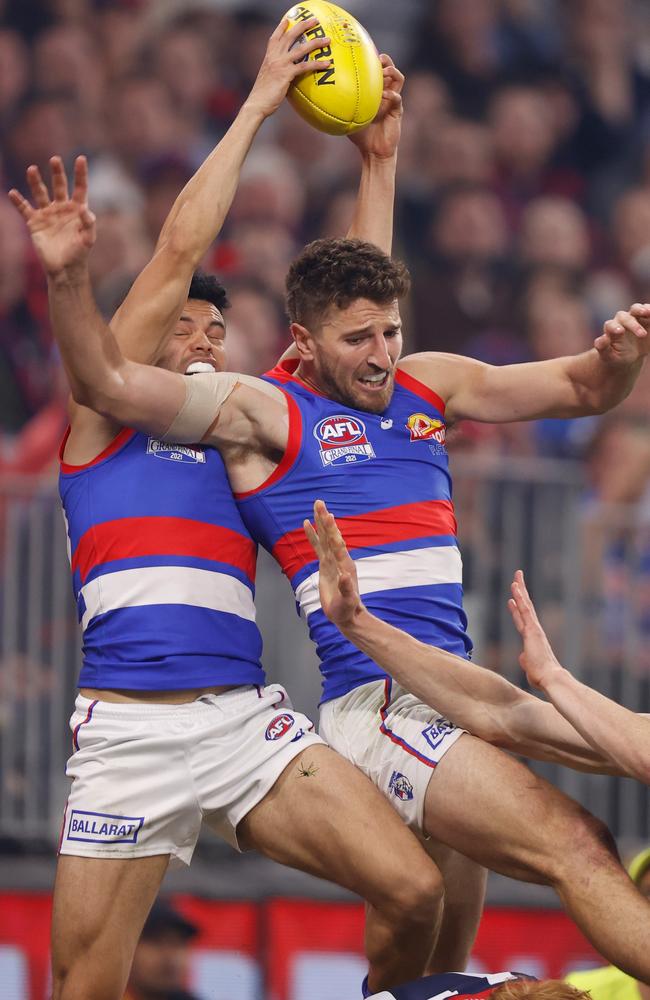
[303, 340]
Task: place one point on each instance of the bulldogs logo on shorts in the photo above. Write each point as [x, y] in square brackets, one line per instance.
[278, 726]
[342, 440]
[400, 786]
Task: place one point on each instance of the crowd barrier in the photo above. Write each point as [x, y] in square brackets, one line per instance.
[289, 949]
[586, 564]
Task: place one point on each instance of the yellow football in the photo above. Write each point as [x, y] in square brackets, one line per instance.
[345, 97]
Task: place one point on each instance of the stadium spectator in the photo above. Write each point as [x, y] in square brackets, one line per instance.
[161, 960]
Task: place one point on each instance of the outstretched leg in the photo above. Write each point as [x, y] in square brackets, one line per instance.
[324, 817]
[100, 906]
[492, 808]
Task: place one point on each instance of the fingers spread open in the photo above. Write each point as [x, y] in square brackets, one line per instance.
[80, 189]
[59, 179]
[23, 206]
[37, 186]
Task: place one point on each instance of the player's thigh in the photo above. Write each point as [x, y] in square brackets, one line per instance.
[326, 818]
[100, 906]
[492, 808]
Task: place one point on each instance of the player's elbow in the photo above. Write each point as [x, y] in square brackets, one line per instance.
[179, 245]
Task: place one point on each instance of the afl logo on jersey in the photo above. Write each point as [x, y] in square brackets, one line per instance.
[278, 726]
[424, 428]
[342, 440]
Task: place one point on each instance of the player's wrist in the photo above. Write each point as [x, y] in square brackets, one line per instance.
[71, 276]
[554, 677]
[357, 623]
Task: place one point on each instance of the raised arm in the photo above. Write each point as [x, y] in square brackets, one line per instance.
[609, 728]
[474, 698]
[101, 378]
[577, 386]
[155, 301]
[373, 215]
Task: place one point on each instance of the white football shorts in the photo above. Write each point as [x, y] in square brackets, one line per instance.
[393, 738]
[145, 776]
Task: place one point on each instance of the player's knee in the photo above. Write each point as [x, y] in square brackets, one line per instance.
[587, 842]
[418, 895]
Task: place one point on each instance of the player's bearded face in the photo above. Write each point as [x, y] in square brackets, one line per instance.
[355, 353]
[198, 342]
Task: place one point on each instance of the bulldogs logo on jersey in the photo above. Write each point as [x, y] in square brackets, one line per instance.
[424, 428]
[278, 726]
[400, 786]
[342, 440]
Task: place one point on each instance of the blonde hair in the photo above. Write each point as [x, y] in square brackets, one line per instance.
[531, 989]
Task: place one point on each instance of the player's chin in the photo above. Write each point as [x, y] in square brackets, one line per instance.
[373, 400]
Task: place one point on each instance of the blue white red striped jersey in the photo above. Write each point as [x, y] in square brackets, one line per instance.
[385, 478]
[163, 568]
[449, 984]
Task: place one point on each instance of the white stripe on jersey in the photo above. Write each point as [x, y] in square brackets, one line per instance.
[393, 571]
[201, 588]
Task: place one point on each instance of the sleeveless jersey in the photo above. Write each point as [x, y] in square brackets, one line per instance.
[163, 568]
[449, 984]
[385, 478]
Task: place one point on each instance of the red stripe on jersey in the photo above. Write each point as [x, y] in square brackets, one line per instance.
[131, 537]
[377, 527]
[284, 370]
[419, 389]
[124, 435]
[294, 442]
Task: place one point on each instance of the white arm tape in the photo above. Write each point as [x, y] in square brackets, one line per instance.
[205, 394]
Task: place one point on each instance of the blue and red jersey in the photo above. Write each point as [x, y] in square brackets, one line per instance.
[385, 478]
[163, 568]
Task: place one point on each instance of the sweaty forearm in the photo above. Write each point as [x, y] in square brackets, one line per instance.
[615, 731]
[88, 348]
[373, 216]
[599, 385]
[475, 698]
[198, 213]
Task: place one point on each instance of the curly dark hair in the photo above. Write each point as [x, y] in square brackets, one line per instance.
[207, 288]
[336, 273]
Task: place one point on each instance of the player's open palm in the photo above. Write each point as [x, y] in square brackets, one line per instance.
[338, 584]
[537, 658]
[62, 227]
[381, 137]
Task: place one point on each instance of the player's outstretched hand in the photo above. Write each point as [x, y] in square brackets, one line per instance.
[283, 63]
[381, 137]
[537, 658]
[62, 227]
[625, 338]
[338, 584]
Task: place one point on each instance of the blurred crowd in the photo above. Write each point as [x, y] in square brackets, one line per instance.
[524, 176]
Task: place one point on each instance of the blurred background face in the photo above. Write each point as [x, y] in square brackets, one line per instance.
[554, 231]
[160, 965]
[522, 129]
[470, 226]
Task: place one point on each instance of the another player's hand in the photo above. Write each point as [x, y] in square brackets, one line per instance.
[625, 339]
[337, 583]
[381, 138]
[537, 658]
[62, 228]
[282, 64]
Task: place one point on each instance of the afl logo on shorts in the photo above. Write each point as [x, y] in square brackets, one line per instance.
[342, 440]
[278, 726]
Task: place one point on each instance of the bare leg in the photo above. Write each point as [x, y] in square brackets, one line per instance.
[465, 882]
[100, 906]
[335, 824]
[489, 806]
